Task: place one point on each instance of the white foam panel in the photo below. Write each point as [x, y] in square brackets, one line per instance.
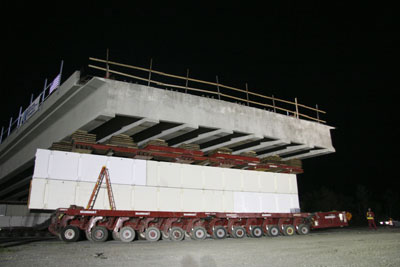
[69, 166]
[65, 178]
[53, 194]
[177, 175]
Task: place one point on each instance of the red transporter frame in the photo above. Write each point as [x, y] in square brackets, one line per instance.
[151, 225]
[329, 219]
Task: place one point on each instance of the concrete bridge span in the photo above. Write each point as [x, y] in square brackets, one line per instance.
[108, 107]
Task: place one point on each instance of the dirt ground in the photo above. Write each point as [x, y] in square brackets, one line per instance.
[333, 247]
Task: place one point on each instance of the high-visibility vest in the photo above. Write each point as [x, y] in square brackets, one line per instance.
[370, 215]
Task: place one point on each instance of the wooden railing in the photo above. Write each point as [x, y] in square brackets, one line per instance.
[274, 105]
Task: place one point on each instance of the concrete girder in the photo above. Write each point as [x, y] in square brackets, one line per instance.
[202, 138]
[310, 154]
[262, 146]
[93, 124]
[244, 142]
[132, 128]
[232, 141]
[15, 186]
[178, 131]
[288, 150]
[18, 195]
[170, 133]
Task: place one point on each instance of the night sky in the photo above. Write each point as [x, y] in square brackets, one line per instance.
[338, 56]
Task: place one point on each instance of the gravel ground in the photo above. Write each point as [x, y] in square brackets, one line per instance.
[333, 247]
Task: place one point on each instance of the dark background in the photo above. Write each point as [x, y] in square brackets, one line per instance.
[338, 56]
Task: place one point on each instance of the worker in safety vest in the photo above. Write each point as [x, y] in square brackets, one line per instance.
[371, 219]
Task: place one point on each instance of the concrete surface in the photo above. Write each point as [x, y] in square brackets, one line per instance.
[23, 221]
[149, 102]
[20, 216]
[334, 247]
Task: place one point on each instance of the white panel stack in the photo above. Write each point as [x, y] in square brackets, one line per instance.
[61, 179]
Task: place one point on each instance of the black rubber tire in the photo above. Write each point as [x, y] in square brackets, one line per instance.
[88, 236]
[99, 234]
[232, 234]
[127, 234]
[70, 233]
[239, 232]
[176, 234]
[141, 235]
[164, 235]
[115, 236]
[219, 232]
[273, 231]
[303, 229]
[199, 233]
[289, 230]
[152, 234]
[257, 232]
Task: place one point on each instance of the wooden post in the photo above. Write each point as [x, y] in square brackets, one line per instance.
[1, 136]
[151, 65]
[19, 116]
[273, 103]
[44, 90]
[297, 107]
[9, 127]
[219, 96]
[247, 94]
[107, 67]
[187, 80]
[61, 70]
[316, 107]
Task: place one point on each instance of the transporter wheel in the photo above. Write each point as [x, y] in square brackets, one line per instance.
[199, 233]
[88, 236]
[165, 236]
[115, 236]
[303, 229]
[232, 234]
[152, 234]
[289, 230]
[99, 234]
[176, 234]
[273, 230]
[219, 232]
[239, 232]
[127, 234]
[257, 232]
[141, 235]
[70, 233]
